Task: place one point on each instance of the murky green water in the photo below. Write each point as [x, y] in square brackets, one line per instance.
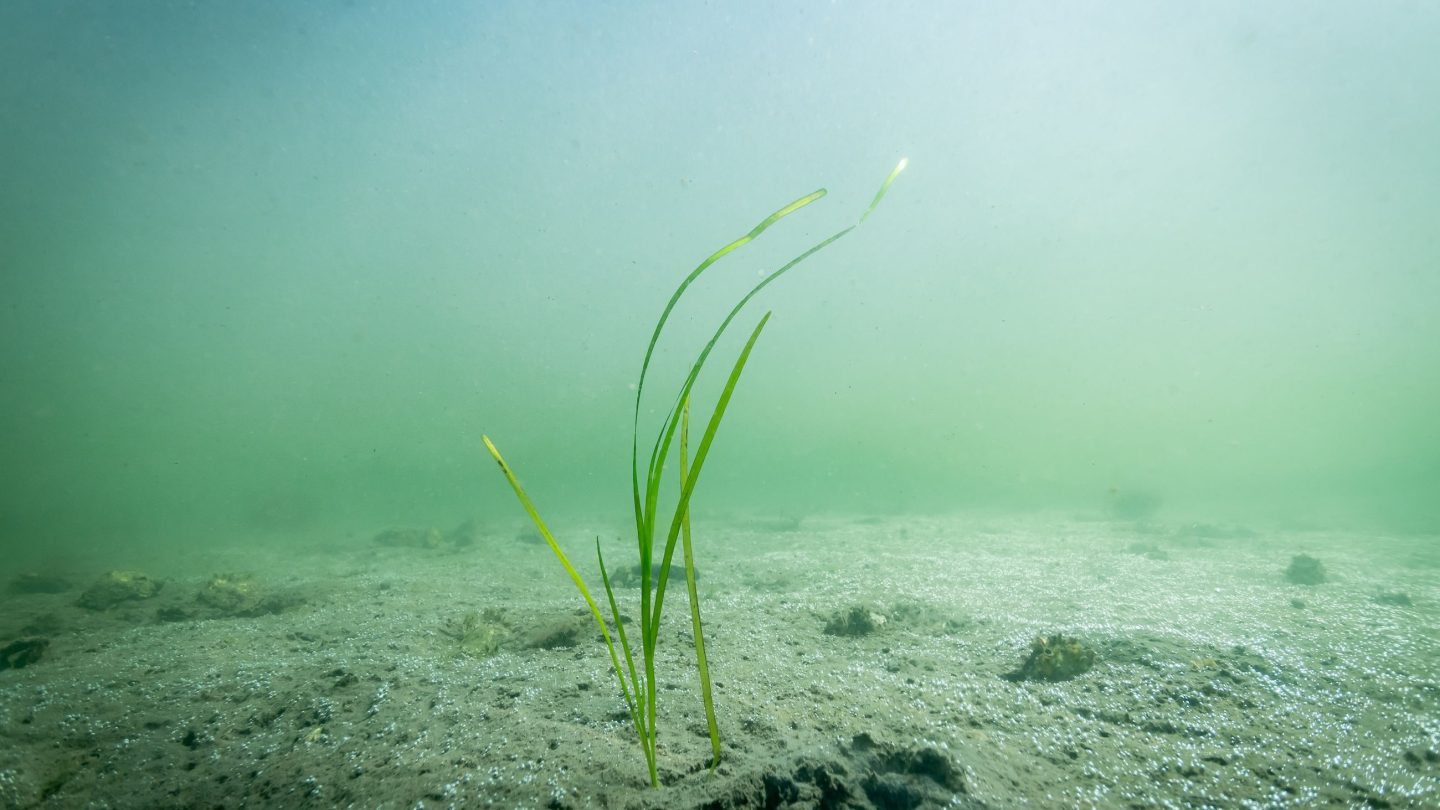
[273, 268]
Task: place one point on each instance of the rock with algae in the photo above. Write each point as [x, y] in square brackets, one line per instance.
[858, 620]
[1305, 570]
[1054, 658]
[233, 594]
[430, 538]
[478, 634]
[114, 587]
[22, 652]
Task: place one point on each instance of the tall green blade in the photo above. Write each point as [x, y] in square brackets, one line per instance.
[661, 448]
[884, 187]
[693, 476]
[651, 622]
[644, 520]
[636, 708]
[695, 626]
[564, 562]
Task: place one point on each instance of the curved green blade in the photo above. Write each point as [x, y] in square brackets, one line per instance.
[641, 523]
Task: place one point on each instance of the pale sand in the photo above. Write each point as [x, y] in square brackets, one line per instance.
[1213, 686]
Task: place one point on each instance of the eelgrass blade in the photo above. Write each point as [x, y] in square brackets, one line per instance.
[647, 744]
[615, 616]
[651, 622]
[884, 187]
[695, 625]
[645, 510]
[661, 449]
[693, 474]
[644, 519]
[579, 584]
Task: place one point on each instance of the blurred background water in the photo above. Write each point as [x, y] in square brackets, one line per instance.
[272, 267]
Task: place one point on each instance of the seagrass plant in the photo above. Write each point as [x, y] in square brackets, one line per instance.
[637, 682]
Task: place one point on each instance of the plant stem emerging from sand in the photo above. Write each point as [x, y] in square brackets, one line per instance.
[700, 663]
[637, 685]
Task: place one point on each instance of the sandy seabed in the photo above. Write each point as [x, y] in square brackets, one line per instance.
[444, 675]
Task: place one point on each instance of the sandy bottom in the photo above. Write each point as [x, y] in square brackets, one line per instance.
[408, 677]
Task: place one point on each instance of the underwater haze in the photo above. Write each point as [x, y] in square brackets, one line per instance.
[1097, 465]
[273, 265]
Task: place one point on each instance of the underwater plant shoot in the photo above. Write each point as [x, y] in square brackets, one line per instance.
[639, 686]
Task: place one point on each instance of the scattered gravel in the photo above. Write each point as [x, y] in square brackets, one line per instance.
[470, 675]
